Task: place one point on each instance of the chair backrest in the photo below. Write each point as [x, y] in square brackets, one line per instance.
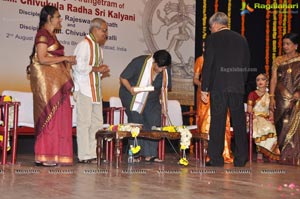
[116, 102]
[26, 107]
[175, 113]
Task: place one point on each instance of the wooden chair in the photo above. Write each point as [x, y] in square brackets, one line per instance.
[5, 129]
[25, 125]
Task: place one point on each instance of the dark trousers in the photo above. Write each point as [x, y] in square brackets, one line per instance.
[219, 104]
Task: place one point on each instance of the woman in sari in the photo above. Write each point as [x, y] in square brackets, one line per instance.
[285, 99]
[51, 86]
[203, 113]
[264, 132]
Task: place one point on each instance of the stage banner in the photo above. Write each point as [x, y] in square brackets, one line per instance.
[136, 27]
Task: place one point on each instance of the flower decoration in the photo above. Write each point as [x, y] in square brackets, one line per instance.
[7, 98]
[185, 139]
[135, 130]
[184, 161]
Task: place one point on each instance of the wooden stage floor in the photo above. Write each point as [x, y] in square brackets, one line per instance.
[148, 180]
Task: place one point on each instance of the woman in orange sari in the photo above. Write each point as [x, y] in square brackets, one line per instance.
[51, 86]
[203, 113]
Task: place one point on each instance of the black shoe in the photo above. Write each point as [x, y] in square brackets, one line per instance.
[44, 164]
[240, 164]
[210, 164]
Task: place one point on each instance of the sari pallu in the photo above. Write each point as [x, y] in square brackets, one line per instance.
[264, 132]
[287, 112]
[51, 86]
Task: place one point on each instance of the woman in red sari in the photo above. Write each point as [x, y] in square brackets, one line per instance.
[51, 86]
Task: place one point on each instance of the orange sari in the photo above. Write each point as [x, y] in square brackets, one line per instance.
[203, 112]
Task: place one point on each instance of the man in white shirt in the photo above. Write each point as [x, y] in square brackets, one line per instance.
[87, 78]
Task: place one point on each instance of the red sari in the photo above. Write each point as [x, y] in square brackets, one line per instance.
[51, 87]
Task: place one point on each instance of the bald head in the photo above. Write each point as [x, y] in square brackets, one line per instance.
[96, 23]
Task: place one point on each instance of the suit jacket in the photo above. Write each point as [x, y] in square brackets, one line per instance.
[226, 62]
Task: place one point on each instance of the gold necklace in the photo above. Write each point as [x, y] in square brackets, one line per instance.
[289, 70]
[263, 92]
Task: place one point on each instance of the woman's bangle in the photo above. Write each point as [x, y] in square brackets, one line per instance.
[271, 95]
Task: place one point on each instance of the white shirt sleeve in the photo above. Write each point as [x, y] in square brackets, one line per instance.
[82, 53]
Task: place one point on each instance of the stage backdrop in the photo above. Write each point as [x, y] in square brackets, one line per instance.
[262, 22]
[135, 27]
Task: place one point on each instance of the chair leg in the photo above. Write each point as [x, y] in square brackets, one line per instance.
[111, 150]
[98, 151]
[160, 149]
[201, 150]
[4, 149]
[196, 150]
[192, 148]
[14, 148]
[121, 150]
[5, 134]
[15, 135]
[250, 150]
[106, 150]
[163, 147]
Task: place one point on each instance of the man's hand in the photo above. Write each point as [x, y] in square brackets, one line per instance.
[101, 69]
[204, 97]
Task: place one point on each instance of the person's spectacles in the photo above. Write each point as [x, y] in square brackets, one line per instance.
[104, 30]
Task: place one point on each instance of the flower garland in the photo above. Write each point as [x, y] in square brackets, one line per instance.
[229, 13]
[204, 19]
[274, 33]
[267, 52]
[279, 27]
[216, 5]
[135, 130]
[290, 17]
[185, 140]
[284, 21]
[243, 23]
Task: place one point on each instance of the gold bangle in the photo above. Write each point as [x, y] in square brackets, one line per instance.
[271, 95]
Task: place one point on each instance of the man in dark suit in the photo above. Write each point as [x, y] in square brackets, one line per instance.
[227, 60]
